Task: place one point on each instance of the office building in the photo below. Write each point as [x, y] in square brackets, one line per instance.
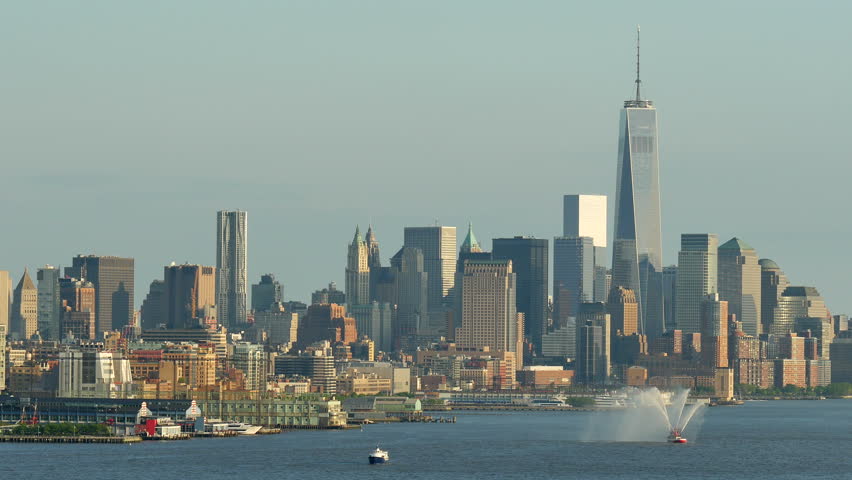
[251, 359]
[637, 258]
[231, 267]
[329, 294]
[714, 331]
[25, 308]
[739, 283]
[3, 355]
[315, 365]
[773, 282]
[438, 245]
[589, 360]
[489, 313]
[841, 360]
[152, 306]
[267, 293]
[5, 299]
[530, 259]
[48, 302]
[669, 295]
[624, 311]
[795, 303]
[595, 314]
[411, 289]
[375, 321]
[189, 296]
[326, 322]
[78, 304]
[573, 275]
[585, 216]
[820, 329]
[113, 278]
[374, 262]
[280, 325]
[357, 272]
[696, 278]
[93, 374]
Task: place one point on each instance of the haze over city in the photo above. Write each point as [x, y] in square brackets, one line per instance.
[127, 126]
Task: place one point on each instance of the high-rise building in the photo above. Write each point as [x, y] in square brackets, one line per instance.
[374, 261]
[78, 302]
[231, 266]
[412, 283]
[48, 302]
[281, 326]
[795, 303]
[329, 294]
[5, 290]
[595, 314]
[251, 359]
[25, 307]
[773, 282]
[438, 245]
[113, 278]
[573, 275]
[530, 259]
[624, 311]
[489, 314]
[821, 329]
[669, 296]
[585, 216]
[3, 356]
[696, 278]
[326, 322]
[637, 252]
[589, 354]
[266, 293]
[375, 321]
[357, 271]
[189, 296]
[152, 306]
[714, 331]
[739, 283]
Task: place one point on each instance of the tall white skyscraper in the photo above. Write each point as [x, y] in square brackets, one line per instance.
[48, 302]
[696, 278]
[585, 216]
[231, 267]
[637, 251]
[438, 245]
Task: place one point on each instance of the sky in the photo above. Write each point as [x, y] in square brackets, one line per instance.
[125, 126]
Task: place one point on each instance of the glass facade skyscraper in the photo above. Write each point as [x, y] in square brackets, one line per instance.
[637, 262]
[231, 267]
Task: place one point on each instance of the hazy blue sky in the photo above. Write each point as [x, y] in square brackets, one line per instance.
[126, 125]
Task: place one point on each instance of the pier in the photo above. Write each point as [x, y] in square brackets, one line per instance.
[70, 439]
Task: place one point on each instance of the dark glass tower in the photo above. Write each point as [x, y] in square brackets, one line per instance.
[637, 262]
[529, 258]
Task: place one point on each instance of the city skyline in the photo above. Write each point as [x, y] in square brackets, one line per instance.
[580, 154]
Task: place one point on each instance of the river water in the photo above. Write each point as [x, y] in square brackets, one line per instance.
[771, 440]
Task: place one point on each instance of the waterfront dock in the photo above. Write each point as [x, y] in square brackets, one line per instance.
[69, 439]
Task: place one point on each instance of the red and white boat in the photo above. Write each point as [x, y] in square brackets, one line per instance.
[674, 437]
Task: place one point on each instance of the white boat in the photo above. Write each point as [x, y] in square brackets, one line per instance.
[610, 401]
[244, 428]
[379, 456]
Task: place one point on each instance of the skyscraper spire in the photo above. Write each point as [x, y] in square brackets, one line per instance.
[638, 82]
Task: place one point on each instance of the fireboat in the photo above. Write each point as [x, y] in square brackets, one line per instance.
[674, 437]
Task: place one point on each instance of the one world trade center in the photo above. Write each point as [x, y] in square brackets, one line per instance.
[637, 246]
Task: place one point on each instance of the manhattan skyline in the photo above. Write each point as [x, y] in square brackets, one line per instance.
[102, 158]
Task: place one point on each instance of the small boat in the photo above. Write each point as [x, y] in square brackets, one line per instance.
[674, 437]
[379, 456]
[244, 428]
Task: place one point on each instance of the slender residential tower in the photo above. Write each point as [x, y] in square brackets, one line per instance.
[637, 262]
[231, 267]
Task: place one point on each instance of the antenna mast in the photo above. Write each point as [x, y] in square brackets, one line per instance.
[638, 82]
